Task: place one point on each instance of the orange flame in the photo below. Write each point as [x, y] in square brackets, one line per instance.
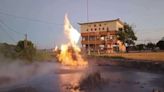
[70, 52]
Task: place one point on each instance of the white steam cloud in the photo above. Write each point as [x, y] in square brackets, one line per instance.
[16, 70]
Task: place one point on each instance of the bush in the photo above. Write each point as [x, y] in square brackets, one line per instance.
[160, 44]
[25, 52]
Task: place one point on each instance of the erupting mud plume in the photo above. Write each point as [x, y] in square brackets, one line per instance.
[70, 52]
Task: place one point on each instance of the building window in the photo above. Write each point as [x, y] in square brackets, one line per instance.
[102, 38]
[116, 43]
[83, 38]
[95, 25]
[91, 29]
[120, 29]
[114, 37]
[100, 25]
[109, 46]
[84, 45]
[95, 29]
[87, 30]
[111, 37]
[102, 28]
[107, 29]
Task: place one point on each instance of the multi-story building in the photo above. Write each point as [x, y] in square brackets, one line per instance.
[101, 36]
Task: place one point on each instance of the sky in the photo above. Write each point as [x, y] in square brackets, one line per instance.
[42, 20]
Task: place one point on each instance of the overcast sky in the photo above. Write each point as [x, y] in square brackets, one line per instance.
[43, 20]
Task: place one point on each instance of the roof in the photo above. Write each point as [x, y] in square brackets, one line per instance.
[103, 21]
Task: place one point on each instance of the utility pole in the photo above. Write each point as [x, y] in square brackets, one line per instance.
[25, 41]
[88, 32]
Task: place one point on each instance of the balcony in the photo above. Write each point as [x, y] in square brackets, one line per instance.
[99, 33]
[98, 42]
[91, 42]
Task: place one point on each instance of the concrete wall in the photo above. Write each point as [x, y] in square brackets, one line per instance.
[101, 26]
[104, 26]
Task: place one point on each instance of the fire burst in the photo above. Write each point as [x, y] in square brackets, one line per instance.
[70, 52]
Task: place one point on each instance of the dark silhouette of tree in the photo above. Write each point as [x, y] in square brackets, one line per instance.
[150, 46]
[160, 44]
[127, 35]
[140, 47]
[25, 52]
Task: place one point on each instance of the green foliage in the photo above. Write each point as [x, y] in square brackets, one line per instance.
[43, 56]
[160, 44]
[27, 52]
[127, 35]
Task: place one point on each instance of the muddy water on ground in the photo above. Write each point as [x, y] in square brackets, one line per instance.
[61, 80]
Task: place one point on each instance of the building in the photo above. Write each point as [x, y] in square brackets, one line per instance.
[100, 37]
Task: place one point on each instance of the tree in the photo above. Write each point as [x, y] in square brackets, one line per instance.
[162, 39]
[151, 46]
[140, 47]
[127, 35]
[8, 50]
[160, 44]
[25, 52]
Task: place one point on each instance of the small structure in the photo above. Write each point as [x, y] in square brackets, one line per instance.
[101, 37]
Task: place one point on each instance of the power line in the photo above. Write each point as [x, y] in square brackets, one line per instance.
[8, 34]
[87, 11]
[87, 26]
[11, 29]
[20, 17]
[29, 19]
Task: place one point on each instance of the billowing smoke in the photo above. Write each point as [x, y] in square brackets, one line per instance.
[16, 70]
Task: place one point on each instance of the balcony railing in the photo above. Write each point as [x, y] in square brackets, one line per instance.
[98, 41]
[99, 33]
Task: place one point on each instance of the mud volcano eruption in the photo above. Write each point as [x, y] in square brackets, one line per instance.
[69, 53]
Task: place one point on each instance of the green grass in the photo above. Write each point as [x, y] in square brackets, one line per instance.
[43, 56]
